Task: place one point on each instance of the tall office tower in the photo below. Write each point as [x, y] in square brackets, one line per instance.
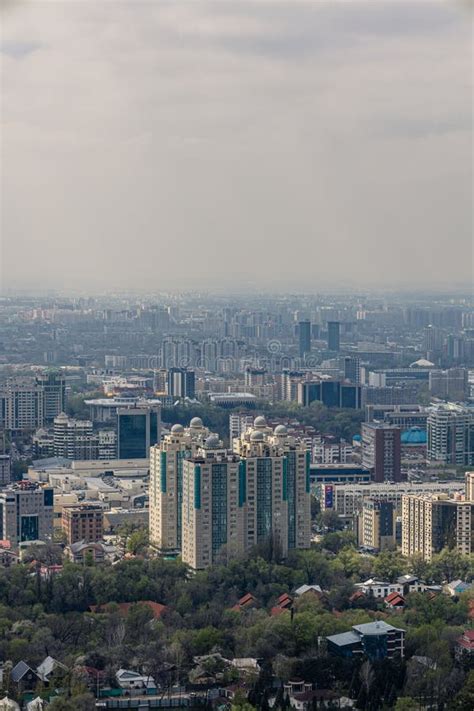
[455, 348]
[181, 383]
[166, 483]
[74, 439]
[334, 335]
[332, 393]
[304, 328]
[138, 429]
[451, 384]
[84, 522]
[352, 369]
[26, 513]
[214, 494]
[431, 523]
[381, 451]
[277, 486]
[22, 405]
[377, 524]
[451, 434]
[208, 355]
[5, 469]
[432, 341]
[53, 383]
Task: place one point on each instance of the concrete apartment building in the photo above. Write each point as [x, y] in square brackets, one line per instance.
[431, 523]
[166, 483]
[377, 523]
[381, 451]
[450, 430]
[208, 501]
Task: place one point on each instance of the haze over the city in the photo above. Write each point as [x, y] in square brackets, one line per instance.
[288, 145]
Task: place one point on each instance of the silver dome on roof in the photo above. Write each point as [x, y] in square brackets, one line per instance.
[257, 436]
[213, 441]
[196, 423]
[260, 421]
[176, 429]
[280, 430]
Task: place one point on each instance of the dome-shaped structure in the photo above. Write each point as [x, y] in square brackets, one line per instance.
[260, 422]
[415, 436]
[280, 430]
[213, 441]
[196, 423]
[257, 436]
[177, 429]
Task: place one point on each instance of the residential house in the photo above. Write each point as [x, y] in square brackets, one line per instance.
[128, 680]
[395, 601]
[50, 669]
[456, 587]
[24, 678]
[375, 640]
[81, 552]
[315, 590]
[464, 646]
[247, 602]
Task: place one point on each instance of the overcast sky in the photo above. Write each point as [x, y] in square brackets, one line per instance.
[287, 145]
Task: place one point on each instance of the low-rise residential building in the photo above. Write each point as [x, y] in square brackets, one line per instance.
[375, 640]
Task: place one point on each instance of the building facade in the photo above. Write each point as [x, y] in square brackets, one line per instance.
[381, 451]
[166, 483]
[84, 522]
[431, 523]
[450, 429]
[26, 513]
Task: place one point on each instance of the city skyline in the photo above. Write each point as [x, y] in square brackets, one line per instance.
[197, 146]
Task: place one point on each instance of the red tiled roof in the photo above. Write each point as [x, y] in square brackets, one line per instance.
[124, 607]
[275, 611]
[395, 599]
[246, 599]
[356, 596]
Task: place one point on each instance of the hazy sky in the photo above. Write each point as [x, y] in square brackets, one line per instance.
[288, 144]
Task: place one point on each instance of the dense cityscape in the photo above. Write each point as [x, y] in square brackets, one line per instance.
[236, 355]
[246, 502]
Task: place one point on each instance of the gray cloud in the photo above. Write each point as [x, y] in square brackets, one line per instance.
[290, 144]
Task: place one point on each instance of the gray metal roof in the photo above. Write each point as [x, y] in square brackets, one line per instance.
[344, 638]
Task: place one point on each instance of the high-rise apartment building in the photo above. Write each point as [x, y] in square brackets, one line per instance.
[22, 405]
[377, 524]
[5, 469]
[334, 335]
[277, 468]
[381, 451]
[210, 502]
[84, 522]
[53, 384]
[213, 509]
[469, 493]
[181, 383]
[74, 439]
[166, 483]
[26, 513]
[431, 523]
[304, 332]
[450, 429]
